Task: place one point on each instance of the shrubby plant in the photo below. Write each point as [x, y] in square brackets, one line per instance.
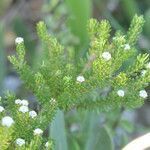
[102, 81]
[19, 127]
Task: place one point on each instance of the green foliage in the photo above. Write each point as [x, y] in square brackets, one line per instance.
[98, 136]
[5, 137]
[95, 83]
[135, 29]
[23, 126]
[57, 127]
[21, 30]
[99, 140]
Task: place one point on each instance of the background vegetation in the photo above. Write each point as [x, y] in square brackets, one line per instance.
[66, 19]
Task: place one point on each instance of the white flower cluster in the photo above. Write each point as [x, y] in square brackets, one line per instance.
[121, 93]
[19, 40]
[1, 109]
[53, 100]
[38, 131]
[7, 121]
[47, 144]
[24, 107]
[106, 56]
[32, 114]
[80, 79]
[21, 102]
[142, 93]
[127, 47]
[20, 142]
[143, 72]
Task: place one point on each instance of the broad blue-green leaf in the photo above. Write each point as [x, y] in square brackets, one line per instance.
[57, 131]
[98, 137]
[79, 13]
[74, 145]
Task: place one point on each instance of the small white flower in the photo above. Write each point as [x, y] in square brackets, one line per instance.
[19, 40]
[32, 114]
[80, 79]
[1, 109]
[20, 142]
[53, 100]
[114, 38]
[143, 72]
[38, 131]
[7, 121]
[47, 144]
[18, 101]
[143, 94]
[23, 109]
[148, 66]
[127, 47]
[106, 56]
[120, 93]
[24, 102]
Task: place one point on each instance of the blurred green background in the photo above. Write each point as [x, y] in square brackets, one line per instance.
[66, 19]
